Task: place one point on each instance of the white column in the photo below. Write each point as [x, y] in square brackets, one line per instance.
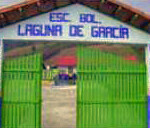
[148, 80]
[1, 59]
[148, 67]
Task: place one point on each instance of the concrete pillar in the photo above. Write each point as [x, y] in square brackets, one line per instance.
[148, 80]
[1, 58]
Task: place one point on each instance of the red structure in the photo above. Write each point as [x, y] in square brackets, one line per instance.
[66, 61]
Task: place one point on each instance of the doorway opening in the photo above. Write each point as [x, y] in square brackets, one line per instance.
[84, 85]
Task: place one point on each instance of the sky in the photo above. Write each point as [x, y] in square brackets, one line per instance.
[143, 5]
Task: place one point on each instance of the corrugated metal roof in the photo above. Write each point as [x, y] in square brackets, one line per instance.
[115, 9]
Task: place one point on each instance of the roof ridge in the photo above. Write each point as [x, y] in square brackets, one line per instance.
[16, 6]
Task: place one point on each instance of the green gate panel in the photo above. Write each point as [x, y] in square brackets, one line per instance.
[111, 91]
[50, 74]
[21, 92]
[21, 116]
[21, 87]
[30, 63]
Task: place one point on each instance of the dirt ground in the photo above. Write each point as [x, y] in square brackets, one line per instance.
[59, 107]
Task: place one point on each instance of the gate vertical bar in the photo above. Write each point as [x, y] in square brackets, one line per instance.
[40, 83]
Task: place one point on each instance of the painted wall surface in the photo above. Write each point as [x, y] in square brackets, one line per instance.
[74, 22]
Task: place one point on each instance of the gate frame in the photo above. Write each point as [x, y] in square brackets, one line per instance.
[147, 59]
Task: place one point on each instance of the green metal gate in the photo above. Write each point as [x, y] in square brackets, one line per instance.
[21, 92]
[111, 91]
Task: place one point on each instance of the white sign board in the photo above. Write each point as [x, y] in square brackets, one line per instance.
[74, 23]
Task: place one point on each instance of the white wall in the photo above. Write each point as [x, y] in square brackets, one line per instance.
[135, 35]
